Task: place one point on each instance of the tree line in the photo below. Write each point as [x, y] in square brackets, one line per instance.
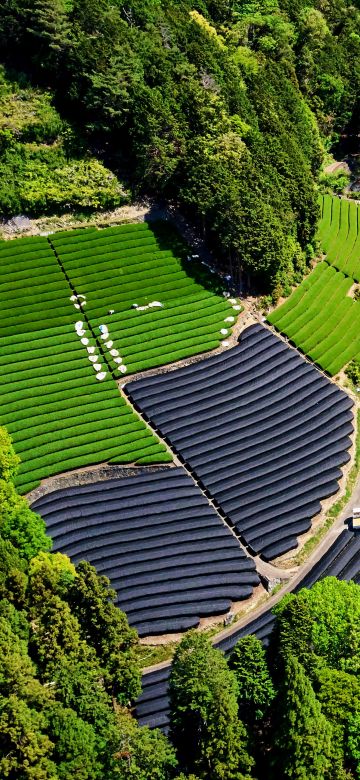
[224, 107]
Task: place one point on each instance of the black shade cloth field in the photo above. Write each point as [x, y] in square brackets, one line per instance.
[342, 561]
[168, 555]
[264, 431]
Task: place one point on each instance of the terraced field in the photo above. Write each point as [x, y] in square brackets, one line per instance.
[341, 561]
[168, 555]
[321, 319]
[339, 234]
[59, 416]
[263, 430]
[178, 312]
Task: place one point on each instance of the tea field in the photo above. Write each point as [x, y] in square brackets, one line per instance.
[339, 234]
[179, 311]
[321, 319]
[322, 316]
[60, 401]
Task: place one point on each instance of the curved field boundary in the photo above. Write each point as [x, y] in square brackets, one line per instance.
[169, 556]
[342, 560]
[264, 432]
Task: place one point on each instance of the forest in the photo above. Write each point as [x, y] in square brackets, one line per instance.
[70, 672]
[224, 107]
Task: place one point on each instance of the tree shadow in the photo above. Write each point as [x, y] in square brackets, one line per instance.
[200, 270]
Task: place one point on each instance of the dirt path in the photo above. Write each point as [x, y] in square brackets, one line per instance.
[91, 474]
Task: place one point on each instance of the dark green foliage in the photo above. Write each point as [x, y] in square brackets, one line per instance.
[256, 690]
[302, 743]
[210, 739]
[106, 630]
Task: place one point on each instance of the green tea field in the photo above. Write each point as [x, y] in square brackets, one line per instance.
[321, 317]
[60, 401]
[178, 312]
[339, 234]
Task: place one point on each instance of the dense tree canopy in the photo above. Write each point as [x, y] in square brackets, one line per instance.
[223, 107]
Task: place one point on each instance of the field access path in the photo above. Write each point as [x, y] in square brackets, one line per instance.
[82, 312]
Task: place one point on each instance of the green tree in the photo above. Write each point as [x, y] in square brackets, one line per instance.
[302, 742]
[75, 746]
[339, 696]
[210, 739]
[13, 579]
[49, 574]
[9, 461]
[25, 748]
[353, 743]
[18, 524]
[323, 621]
[140, 753]
[256, 689]
[107, 630]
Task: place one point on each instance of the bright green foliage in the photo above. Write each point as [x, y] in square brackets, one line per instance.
[117, 267]
[19, 524]
[55, 633]
[9, 461]
[59, 416]
[25, 748]
[333, 608]
[339, 695]
[39, 171]
[207, 733]
[302, 744]
[50, 573]
[353, 743]
[256, 689]
[294, 629]
[142, 754]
